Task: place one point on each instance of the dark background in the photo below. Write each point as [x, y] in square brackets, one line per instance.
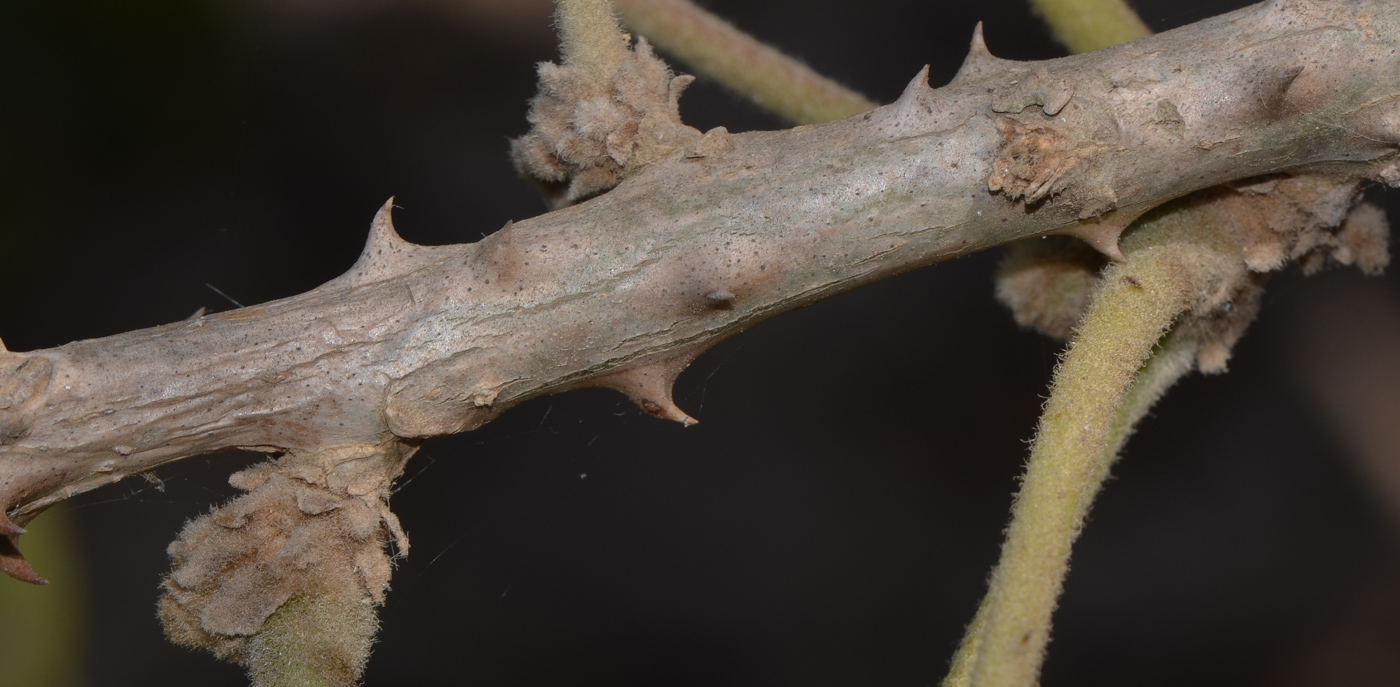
[832, 519]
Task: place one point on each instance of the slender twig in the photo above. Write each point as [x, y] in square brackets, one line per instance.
[716, 49]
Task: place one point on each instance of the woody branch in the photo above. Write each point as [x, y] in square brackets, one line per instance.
[704, 239]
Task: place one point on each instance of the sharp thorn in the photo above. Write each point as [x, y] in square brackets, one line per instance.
[649, 386]
[8, 528]
[1102, 232]
[979, 61]
[11, 560]
[918, 85]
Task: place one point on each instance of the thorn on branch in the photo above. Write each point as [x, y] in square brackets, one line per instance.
[980, 63]
[649, 385]
[11, 560]
[386, 254]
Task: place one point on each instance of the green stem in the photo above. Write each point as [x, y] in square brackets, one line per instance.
[1082, 26]
[1068, 463]
[1089, 25]
[1111, 375]
[717, 50]
[314, 640]
[1174, 357]
[42, 629]
[590, 38]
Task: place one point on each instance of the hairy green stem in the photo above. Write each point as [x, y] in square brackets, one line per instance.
[313, 640]
[1089, 25]
[1082, 26]
[1106, 382]
[1068, 464]
[590, 38]
[718, 50]
[1173, 358]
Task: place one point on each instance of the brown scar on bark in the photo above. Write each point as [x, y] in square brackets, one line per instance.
[721, 299]
[1032, 160]
[24, 377]
[1169, 118]
[414, 411]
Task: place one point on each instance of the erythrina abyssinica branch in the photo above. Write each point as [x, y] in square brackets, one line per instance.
[624, 290]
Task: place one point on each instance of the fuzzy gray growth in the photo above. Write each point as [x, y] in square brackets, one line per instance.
[1311, 220]
[1047, 283]
[587, 134]
[300, 556]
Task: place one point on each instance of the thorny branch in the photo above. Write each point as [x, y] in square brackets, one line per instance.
[622, 291]
[701, 237]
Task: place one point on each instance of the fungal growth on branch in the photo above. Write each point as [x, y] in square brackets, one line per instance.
[311, 532]
[1310, 220]
[607, 111]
